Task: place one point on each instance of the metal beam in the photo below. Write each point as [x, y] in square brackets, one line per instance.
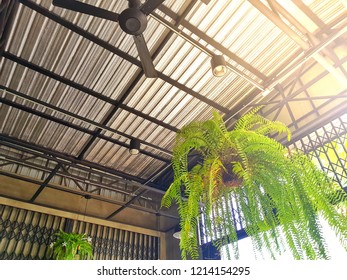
[73, 160]
[109, 116]
[84, 89]
[310, 100]
[279, 23]
[8, 8]
[323, 119]
[204, 49]
[76, 127]
[76, 192]
[118, 52]
[94, 171]
[275, 19]
[22, 160]
[300, 90]
[137, 79]
[77, 179]
[279, 8]
[45, 12]
[309, 13]
[318, 98]
[283, 72]
[45, 182]
[126, 204]
[304, 30]
[290, 82]
[132, 200]
[280, 89]
[186, 24]
[272, 6]
[77, 117]
[74, 177]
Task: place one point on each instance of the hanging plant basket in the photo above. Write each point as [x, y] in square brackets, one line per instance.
[275, 191]
[71, 246]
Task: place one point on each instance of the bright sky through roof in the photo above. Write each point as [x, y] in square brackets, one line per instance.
[335, 249]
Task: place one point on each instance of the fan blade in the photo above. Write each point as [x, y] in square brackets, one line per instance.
[150, 6]
[145, 57]
[86, 9]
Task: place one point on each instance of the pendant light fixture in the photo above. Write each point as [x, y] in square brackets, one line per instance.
[134, 147]
[218, 64]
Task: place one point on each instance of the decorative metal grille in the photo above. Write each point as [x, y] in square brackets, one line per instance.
[116, 244]
[227, 204]
[327, 147]
[26, 235]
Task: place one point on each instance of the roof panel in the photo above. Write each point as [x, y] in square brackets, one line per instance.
[119, 158]
[39, 86]
[102, 87]
[327, 10]
[33, 129]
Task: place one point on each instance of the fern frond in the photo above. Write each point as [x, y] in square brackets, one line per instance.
[272, 190]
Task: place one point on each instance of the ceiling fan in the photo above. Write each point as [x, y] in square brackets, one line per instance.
[132, 20]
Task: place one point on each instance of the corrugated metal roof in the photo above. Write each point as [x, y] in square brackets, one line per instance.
[80, 79]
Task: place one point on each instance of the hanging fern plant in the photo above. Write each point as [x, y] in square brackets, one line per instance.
[275, 191]
[70, 246]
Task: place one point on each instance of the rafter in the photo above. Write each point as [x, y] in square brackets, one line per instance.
[80, 118]
[204, 49]
[186, 24]
[7, 12]
[309, 13]
[74, 126]
[123, 97]
[89, 36]
[84, 89]
[323, 119]
[323, 97]
[64, 173]
[280, 89]
[80, 193]
[303, 44]
[46, 182]
[285, 70]
[139, 195]
[61, 157]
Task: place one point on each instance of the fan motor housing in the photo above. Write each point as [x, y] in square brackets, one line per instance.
[133, 21]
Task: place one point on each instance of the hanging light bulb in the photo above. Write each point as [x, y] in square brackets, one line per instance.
[218, 64]
[134, 147]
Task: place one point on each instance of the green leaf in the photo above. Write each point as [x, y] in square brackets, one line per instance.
[273, 190]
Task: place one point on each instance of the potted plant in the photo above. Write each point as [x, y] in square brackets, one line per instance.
[276, 191]
[69, 246]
